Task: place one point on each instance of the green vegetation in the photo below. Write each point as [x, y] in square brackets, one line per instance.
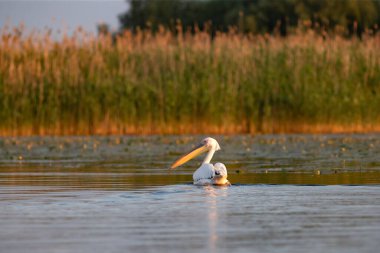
[163, 83]
[255, 16]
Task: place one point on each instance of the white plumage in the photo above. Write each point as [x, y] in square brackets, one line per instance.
[206, 171]
[207, 174]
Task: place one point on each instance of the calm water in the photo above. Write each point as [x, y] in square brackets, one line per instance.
[290, 193]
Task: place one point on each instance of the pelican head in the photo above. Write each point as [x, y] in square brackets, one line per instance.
[220, 169]
[208, 144]
[220, 177]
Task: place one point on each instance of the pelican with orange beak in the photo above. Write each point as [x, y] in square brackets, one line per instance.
[207, 174]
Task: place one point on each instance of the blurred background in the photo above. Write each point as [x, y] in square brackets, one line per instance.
[255, 16]
[181, 66]
[62, 14]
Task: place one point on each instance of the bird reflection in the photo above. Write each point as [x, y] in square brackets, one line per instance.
[213, 195]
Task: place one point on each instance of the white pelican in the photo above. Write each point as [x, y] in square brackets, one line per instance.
[207, 174]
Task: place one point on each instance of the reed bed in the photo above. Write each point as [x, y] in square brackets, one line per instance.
[144, 82]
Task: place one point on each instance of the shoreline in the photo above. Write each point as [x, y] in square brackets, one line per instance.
[280, 128]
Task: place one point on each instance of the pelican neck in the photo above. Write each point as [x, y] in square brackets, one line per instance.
[209, 155]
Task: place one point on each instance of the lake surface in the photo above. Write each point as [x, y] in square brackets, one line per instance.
[290, 193]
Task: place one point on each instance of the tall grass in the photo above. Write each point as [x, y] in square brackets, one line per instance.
[187, 83]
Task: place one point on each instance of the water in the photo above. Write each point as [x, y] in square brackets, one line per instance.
[290, 193]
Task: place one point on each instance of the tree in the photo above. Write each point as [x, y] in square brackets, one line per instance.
[252, 15]
[354, 15]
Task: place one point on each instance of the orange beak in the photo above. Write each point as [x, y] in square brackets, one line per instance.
[190, 155]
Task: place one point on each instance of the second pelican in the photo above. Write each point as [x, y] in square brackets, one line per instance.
[207, 174]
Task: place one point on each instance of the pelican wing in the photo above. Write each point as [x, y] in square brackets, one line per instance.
[206, 171]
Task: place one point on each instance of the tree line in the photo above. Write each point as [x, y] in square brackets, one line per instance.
[351, 17]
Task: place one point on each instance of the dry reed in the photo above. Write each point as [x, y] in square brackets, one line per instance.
[187, 83]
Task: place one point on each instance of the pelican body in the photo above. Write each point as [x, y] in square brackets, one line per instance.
[207, 174]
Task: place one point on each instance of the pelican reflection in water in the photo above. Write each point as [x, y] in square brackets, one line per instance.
[207, 174]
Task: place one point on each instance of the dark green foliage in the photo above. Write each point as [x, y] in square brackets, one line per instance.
[256, 16]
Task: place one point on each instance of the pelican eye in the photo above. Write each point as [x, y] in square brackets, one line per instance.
[217, 173]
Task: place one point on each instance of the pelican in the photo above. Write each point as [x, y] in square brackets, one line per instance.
[207, 174]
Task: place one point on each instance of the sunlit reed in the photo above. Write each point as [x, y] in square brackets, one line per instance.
[187, 83]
